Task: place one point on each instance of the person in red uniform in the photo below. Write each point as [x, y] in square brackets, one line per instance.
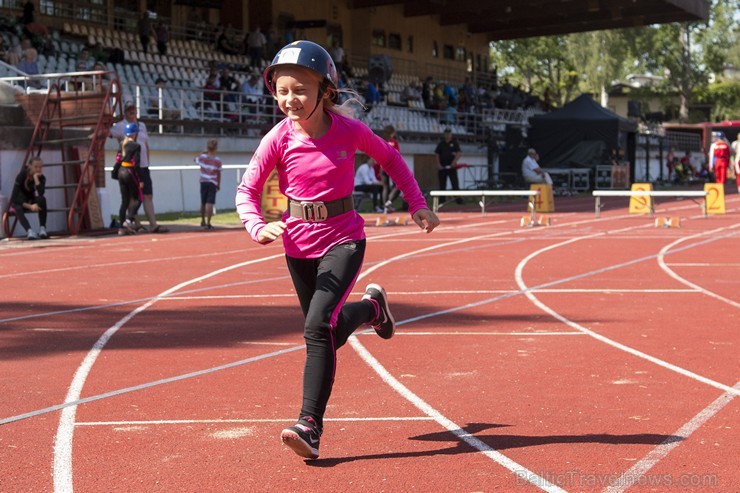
[720, 158]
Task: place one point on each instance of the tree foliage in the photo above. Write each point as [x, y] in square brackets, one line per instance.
[684, 54]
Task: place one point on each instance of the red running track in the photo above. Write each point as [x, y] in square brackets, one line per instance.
[591, 355]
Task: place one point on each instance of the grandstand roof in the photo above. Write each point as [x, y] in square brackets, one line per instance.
[510, 19]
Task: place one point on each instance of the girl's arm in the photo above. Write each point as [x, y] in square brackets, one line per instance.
[393, 164]
[249, 191]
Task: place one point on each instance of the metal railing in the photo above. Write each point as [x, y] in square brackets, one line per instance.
[195, 110]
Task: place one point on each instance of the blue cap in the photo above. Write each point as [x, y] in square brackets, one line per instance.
[131, 129]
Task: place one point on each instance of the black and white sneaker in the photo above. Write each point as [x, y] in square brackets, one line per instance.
[303, 438]
[384, 325]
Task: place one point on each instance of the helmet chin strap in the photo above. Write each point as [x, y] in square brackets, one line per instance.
[322, 90]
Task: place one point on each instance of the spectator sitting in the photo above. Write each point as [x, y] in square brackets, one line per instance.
[228, 82]
[251, 93]
[366, 181]
[225, 43]
[531, 170]
[167, 113]
[4, 53]
[448, 113]
[211, 97]
[15, 54]
[29, 66]
[372, 95]
[28, 196]
[84, 62]
[411, 93]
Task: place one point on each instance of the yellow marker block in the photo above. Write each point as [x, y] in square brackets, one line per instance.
[274, 203]
[641, 205]
[544, 201]
[715, 198]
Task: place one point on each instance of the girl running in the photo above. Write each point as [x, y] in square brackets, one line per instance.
[313, 149]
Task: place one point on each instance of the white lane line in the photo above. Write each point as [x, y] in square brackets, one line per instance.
[700, 264]
[682, 280]
[148, 385]
[157, 260]
[444, 422]
[634, 473]
[159, 297]
[611, 290]
[604, 339]
[458, 333]
[251, 420]
[62, 460]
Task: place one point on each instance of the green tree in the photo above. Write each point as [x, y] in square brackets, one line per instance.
[687, 53]
[538, 64]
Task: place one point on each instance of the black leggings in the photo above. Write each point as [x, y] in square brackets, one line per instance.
[323, 285]
[20, 212]
[130, 198]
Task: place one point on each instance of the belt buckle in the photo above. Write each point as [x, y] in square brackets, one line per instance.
[314, 211]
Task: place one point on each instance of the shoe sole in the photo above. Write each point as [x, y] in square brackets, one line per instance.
[384, 300]
[298, 445]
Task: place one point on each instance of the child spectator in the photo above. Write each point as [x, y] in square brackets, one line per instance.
[210, 182]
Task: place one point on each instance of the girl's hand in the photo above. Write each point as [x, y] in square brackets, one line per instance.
[35, 208]
[426, 219]
[271, 232]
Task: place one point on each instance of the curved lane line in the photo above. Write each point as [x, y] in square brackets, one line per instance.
[611, 342]
[455, 429]
[682, 280]
[62, 460]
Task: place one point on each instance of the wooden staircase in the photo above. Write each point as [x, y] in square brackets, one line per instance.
[77, 122]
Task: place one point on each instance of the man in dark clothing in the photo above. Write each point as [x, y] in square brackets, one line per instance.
[448, 152]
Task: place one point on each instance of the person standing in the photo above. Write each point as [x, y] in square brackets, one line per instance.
[162, 35]
[144, 27]
[28, 196]
[129, 181]
[117, 132]
[719, 157]
[531, 170]
[256, 42]
[390, 191]
[448, 152]
[735, 147]
[210, 182]
[313, 150]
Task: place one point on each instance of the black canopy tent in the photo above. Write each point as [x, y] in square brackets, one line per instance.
[581, 134]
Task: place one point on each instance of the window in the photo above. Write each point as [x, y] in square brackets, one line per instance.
[378, 37]
[435, 49]
[460, 54]
[394, 41]
[410, 44]
[46, 7]
[449, 52]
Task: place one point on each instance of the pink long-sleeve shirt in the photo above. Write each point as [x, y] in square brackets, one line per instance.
[318, 170]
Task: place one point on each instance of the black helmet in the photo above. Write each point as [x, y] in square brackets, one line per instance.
[305, 54]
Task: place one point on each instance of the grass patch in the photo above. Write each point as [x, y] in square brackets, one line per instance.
[221, 218]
